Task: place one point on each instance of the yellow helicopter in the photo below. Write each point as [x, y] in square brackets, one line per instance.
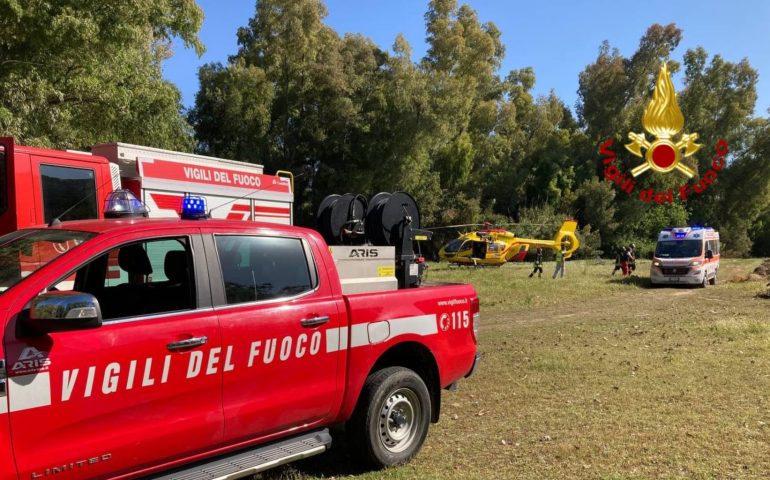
[492, 246]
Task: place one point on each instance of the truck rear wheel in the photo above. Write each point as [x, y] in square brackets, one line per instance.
[390, 422]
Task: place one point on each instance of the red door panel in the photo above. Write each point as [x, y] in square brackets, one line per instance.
[284, 334]
[114, 393]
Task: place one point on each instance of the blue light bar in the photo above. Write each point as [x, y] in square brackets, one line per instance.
[193, 207]
[680, 234]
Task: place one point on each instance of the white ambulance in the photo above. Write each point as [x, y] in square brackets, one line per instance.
[686, 255]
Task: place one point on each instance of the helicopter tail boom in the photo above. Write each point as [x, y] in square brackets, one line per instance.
[564, 237]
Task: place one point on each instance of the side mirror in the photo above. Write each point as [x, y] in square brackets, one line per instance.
[61, 311]
[709, 254]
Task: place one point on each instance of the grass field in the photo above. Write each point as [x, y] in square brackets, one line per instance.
[598, 377]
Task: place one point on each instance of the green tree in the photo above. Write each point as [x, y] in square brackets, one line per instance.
[718, 103]
[74, 73]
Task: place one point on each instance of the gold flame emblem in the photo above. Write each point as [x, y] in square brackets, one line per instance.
[663, 119]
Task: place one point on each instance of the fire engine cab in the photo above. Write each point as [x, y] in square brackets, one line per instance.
[686, 255]
[38, 185]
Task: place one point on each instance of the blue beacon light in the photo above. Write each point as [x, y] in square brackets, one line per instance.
[193, 207]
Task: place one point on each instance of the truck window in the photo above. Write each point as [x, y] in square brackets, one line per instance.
[63, 188]
[262, 268]
[141, 278]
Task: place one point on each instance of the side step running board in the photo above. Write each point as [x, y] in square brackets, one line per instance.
[254, 460]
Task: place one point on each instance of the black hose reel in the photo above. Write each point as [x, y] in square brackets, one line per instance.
[388, 219]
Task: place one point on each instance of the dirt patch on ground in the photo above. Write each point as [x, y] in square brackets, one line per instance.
[763, 270]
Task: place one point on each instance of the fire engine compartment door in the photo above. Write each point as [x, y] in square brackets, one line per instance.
[105, 401]
[284, 324]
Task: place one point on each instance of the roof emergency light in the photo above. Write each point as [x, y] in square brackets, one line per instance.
[123, 204]
[193, 207]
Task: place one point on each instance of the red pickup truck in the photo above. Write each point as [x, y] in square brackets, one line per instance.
[162, 348]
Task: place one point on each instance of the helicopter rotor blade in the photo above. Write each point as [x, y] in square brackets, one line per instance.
[491, 225]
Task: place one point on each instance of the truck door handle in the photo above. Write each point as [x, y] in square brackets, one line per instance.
[187, 343]
[314, 321]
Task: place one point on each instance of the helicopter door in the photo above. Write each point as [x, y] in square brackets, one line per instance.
[479, 250]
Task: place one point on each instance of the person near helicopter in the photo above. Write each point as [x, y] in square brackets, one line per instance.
[560, 261]
[538, 265]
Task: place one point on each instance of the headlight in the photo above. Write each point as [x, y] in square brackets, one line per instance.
[695, 263]
[656, 263]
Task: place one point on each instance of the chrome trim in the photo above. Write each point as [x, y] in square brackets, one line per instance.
[263, 302]
[314, 321]
[187, 343]
[117, 321]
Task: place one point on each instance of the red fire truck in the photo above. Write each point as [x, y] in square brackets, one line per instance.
[233, 356]
[38, 185]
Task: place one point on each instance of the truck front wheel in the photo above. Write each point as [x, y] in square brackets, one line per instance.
[390, 422]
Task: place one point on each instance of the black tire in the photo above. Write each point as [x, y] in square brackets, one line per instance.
[390, 422]
[705, 282]
[713, 280]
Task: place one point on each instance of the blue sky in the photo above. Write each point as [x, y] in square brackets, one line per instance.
[558, 38]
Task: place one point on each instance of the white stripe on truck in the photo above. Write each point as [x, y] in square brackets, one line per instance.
[364, 334]
[29, 391]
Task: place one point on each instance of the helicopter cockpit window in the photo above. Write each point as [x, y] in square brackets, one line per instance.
[453, 246]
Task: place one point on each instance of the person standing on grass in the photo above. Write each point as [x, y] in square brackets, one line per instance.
[560, 262]
[618, 257]
[631, 259]
[624, 259]
[538, 264]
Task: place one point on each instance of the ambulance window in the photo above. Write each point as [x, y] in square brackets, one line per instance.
[68, 187]
[263, 268]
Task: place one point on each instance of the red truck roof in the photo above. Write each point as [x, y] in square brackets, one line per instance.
[127, 224]
[62, 154]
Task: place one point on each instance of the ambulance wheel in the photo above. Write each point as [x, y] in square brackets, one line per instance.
[390, 422]
[705, 282]
[713, 280]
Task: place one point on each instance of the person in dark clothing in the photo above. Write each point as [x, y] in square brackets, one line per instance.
[632, 259]
[538, 264]
[618, 259]
[624, 259]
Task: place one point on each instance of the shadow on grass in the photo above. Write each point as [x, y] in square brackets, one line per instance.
[642, 282]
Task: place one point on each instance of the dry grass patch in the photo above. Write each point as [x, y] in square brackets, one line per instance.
[602, 378]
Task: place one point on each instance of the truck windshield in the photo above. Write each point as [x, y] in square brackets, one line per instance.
[679, 249]
[25, 251]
